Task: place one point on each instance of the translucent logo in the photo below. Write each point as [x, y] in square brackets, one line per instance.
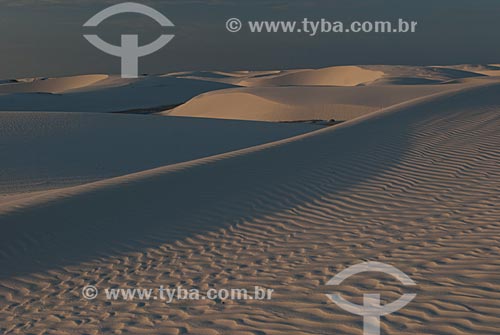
[371, 310]
[129, 51]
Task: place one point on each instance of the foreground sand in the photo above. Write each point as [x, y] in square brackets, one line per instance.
[415, 186]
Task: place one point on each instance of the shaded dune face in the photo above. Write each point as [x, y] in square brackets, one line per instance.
[110, 95]
[43, 151]
[162, 198]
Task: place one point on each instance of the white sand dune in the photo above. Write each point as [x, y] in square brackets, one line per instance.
[49, 150]
[51, 85]
[415, 186]
[112, 95]
[300, 103]
[102, 93]
[330, 76]
[339, 93]
[338, 76]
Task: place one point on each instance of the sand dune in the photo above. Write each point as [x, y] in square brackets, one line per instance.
[102, 93]
[113, 95]
[339, 93]
[99, 146]
[415, 185]
[300, 103]
[483, 69]
[338, 76]
[51, 85]
[331, 76]
[426, 74]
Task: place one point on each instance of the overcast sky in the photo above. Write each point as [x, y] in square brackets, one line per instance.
[44, 37]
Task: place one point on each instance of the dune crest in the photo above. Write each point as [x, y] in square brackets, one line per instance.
[294, 103]
[331, 76]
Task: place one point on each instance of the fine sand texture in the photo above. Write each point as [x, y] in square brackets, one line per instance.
[42, 151]
[415, 185]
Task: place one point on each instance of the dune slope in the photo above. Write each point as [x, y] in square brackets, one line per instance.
[49, 150]
[113, 95]
[346, 76]
[51, 85]
[300, 103]
[415, 186]
[332, 76]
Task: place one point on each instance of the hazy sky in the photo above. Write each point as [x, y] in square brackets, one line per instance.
[44, 37]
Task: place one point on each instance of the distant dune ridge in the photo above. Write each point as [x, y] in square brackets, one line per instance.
[409, 178]
[333, 76]
[113, 94]
[337, 92]
[296, 103]
[51, 85]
